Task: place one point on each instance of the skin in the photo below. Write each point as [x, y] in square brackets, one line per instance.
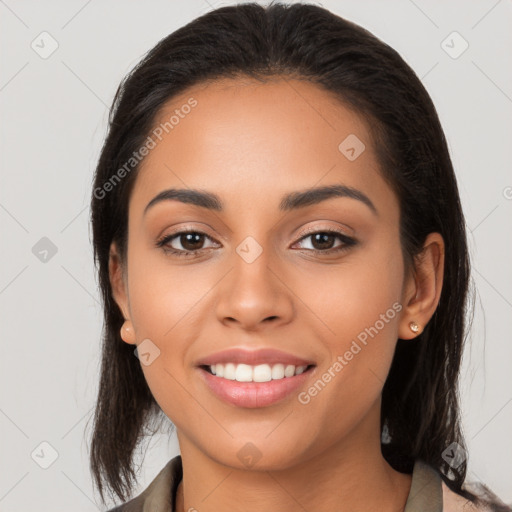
[250, 143]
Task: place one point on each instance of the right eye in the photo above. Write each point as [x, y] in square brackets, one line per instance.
[188, 241]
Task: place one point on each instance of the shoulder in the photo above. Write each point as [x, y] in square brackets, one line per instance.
[453, 502]
[134, 505]
[429, 490]
[160, 493]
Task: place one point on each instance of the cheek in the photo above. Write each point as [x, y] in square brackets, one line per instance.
[167, 308]
[359, 307]
[353, 296]
[164, 296]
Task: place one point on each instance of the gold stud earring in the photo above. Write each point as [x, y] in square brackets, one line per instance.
[414, 327]
[127, 332]
[126, 328]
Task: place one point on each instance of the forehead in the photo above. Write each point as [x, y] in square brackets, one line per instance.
[243, 139]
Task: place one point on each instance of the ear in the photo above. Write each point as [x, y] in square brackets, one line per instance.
[117, 276]
[422, 289]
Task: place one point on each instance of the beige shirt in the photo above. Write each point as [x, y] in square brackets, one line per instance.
[428, 492]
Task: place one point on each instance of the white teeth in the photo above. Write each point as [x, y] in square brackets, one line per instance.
[230, 371]
[289, 371]
[258, 373]
[243, 373]
[278, 371]
[261, 373]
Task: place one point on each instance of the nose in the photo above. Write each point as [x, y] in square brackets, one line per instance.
[254, 294]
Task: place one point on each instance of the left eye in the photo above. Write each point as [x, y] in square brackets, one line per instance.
[325, 239]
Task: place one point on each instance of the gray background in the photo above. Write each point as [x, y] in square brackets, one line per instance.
[54, 112]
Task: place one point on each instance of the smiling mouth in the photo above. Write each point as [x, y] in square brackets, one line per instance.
[250, 387]
[255, 373]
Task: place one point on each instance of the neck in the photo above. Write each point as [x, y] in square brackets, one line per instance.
[352, 475]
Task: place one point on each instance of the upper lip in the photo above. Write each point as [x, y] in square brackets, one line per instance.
[253, 357]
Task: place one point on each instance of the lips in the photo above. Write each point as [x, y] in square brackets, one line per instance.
[252, 395]
[268, 356]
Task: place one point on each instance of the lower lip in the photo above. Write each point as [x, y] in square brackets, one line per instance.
[254, 394]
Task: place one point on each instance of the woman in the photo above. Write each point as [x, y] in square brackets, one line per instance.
[283, 262]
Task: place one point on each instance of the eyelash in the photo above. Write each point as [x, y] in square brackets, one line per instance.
[347, 242]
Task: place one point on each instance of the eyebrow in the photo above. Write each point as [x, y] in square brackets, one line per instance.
[291, 201]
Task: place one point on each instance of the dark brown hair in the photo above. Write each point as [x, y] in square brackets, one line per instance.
[420, 409]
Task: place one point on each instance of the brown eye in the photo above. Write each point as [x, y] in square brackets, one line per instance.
[184, 243]
[191, 241]
[322, 241]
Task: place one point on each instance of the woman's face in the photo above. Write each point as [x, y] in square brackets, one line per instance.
[255, 280]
